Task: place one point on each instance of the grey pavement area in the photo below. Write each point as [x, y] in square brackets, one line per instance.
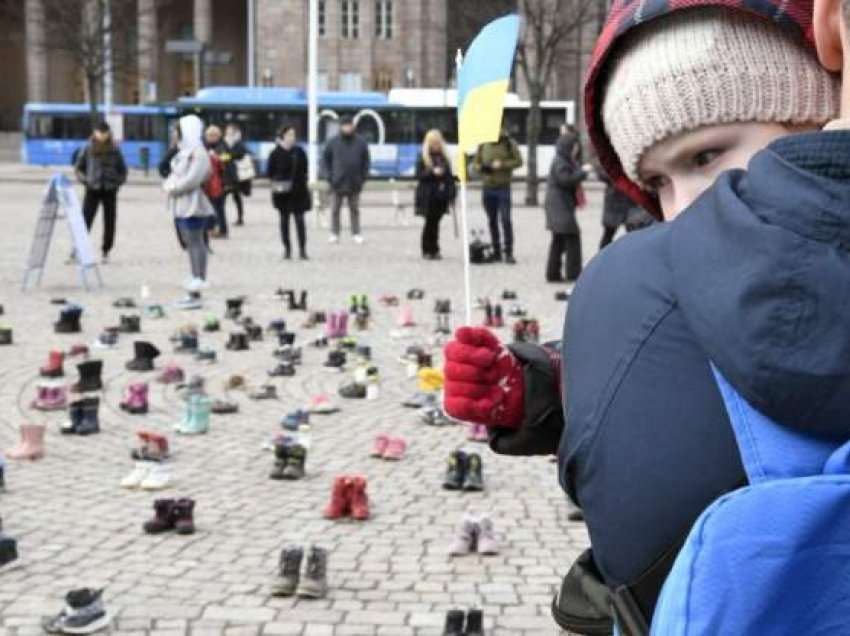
[389, 575]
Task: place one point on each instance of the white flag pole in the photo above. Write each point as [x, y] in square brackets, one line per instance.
[464, 222]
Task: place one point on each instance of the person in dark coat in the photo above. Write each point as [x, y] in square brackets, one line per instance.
[565, 176]
[345, 164]
[233, 187]
[435, 190]
[101, 169]
[287, 171]
[615, 209]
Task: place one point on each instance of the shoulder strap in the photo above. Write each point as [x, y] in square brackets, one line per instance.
[771, 451]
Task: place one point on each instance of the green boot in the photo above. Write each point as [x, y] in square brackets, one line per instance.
[197, 418]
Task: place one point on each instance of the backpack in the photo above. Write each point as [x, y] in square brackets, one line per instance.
[771, 558]
[214, 185]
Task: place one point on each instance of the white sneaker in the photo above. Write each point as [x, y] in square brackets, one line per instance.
[333, 238]
[358, 238]
[135, 478]
[157, 478]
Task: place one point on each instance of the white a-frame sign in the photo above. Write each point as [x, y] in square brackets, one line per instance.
[61, 197]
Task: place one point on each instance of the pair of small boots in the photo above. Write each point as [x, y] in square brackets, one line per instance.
[6, 337]
[69, 320]
[82, 417]
[172, 514]
[130, 324]
[50, 397]
[197, 418]
[8, 547]
[348, 498]
[464, 472]
[337, 325]
[238, 341]
[527, 330]
[90, 373]
[455, 623]
[289, 463]
[83, 613]
[302, 577]
[171, 374]
[493, 316]
[135, 399]
[475, 535]
[31, 445]
[289, 296]
[144, 355]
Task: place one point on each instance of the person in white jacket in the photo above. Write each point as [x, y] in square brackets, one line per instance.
[192, 210]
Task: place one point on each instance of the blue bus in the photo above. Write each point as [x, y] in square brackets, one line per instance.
[52, 132]
[393, 125]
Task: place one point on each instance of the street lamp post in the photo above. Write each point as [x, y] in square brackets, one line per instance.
[312, 92]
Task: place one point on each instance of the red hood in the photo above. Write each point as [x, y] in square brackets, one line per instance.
[794, 16]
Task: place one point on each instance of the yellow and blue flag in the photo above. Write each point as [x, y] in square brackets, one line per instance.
[482, 85]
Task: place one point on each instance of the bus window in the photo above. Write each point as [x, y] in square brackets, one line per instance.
[75, 127]
[41, 126]
[550, 129]
[443, 119]
[138, 128]
[399, 126]
[515, 120]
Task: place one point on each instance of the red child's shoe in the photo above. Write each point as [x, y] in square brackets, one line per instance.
[359, 499]
[340, 503]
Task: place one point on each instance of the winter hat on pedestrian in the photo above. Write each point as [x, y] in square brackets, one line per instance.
[664, 67]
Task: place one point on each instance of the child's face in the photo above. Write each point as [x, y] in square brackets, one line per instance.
[680, 168]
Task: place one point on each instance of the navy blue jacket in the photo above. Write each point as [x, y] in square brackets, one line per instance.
[754, 277]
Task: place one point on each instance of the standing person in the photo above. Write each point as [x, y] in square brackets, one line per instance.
[287, 172]
[435, 190]
[497, 162]
[234, 183]
[189, 170]
[565, 177]
[615, 211]
[215, 189]
[345, 164]
[100, 167]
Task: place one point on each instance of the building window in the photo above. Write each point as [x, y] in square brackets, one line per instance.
[383, 80]
[350, 19]
[322, 17]
[384, 19]
[351, 82]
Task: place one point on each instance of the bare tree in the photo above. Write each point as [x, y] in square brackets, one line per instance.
[467, 18]
[548, 27]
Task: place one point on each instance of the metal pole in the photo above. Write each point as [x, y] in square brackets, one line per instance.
[252, 43]
[464, 217]
[312, 92]
[108, 77]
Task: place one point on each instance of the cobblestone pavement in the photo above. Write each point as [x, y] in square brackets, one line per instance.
[390, 575]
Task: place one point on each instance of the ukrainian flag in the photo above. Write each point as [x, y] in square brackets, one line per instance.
[482, 84]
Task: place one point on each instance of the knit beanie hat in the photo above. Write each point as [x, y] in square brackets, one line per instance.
[706, 66]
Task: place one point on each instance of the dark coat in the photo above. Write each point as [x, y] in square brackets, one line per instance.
[101, 166]
[434, 193]
[345, 163]
[279, 167]
[616, 205]
[754, 277]
[564, 178]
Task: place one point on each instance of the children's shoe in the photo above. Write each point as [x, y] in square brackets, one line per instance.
[78, 350]
[322, 405]
[379, 447]
[405, 317]
[53, 368]
[135, 399]
[313, 581]
[84, 613]
[8, 547]
[420, 400]
[289, 570]
[435, 416]
[479, 433]
[184, 519]
[295, 463]
[359, 499]
[353, 390]
[473, 479]
[454, 623]
[234, 382]
[281, 453]
[487, 542]
[340, 504]
[224, 407]
[282, 370]
[498, 317]
[336, 361]
[157, 478]
[155, 312]
[211, 324]
[171, 374]
[163, 519]
[455, 471]
[291, 421]
[475, 617]
[206, 356]
[395, 449]
[465, 540]
[265, 392]
[137, 475]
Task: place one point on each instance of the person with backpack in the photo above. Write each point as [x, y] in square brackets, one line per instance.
[562, 197]
[287, 172]
[215, 186]
[496, 163]
[435, 191]
[189, 171]
[648, 443]
[101, 169]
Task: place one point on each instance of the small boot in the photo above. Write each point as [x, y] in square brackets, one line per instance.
[90, 372]
[289, 568]
[8, 547]
[475, 617]
[2, 474]
[83, 419]
[405, 317]
[145, 353]
[281, 452]
[342, 325]
[487, 542]
[130, 324]
[336, 360]
[163, 519]
[136, 399]
[331, 325]
[465, 540]
[50, 398]
[234, 308]
[295, 461]
[84, 613]
[197, 418]
[340, 503]
[31, 445]
[5, 336]
[455, 471]
[488, 314]
[314, 579]
[353, 305]
[289, 297]
[188, 343]
[473, 480]
[286, 338]
[238, 342]
[454, 623]
[53, 368]
[498, 317]
[184, 516]
[69, 320]
[302, 300]
[359, 499]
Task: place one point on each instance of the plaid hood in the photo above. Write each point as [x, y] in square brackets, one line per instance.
[792, 16]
